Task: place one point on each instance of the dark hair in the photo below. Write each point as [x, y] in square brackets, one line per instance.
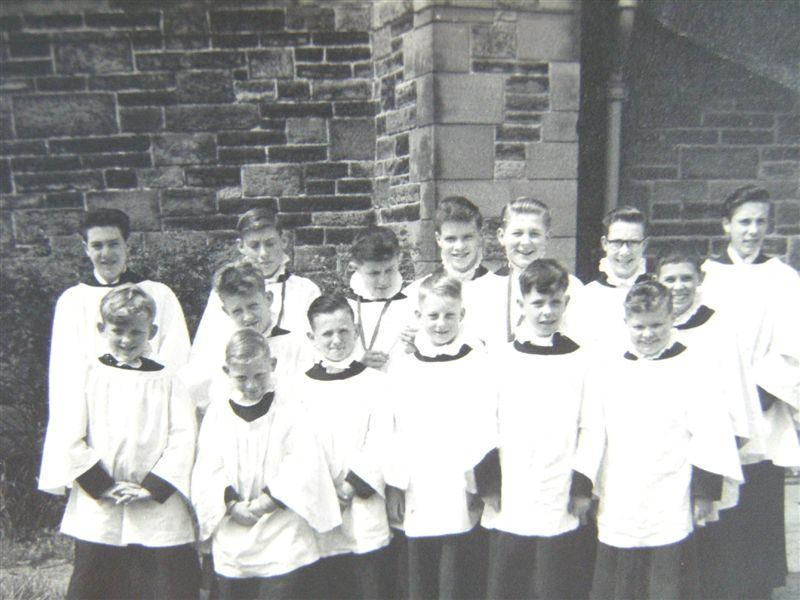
[239, 278]
[743, 195]
[106, 217]
[648, 296]
[677, 255]
[257, 219]
[545, 275]
[327, 304]
[375, 244]
[457, 209]
[625, 214]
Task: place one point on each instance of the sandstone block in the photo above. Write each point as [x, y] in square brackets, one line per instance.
[160, 177]
[719, 163]
[565, 86]
[548, 37]
[211, 117]
[184, 148]
[352, 139]
[468, 98]
[460, 152]
[33, 226]
[187, 201]
[560, 127]
[272, 180]
[140, 205]
[204, 86]
[94, 56]
[494, 40]
[552, 161]
[265, 64]
[306, 131]
[64, 115]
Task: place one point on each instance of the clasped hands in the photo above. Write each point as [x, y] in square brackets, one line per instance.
[248, 512]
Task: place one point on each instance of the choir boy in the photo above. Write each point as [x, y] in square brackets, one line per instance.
[444, 425]
[523, 233]
[260, 486]
[381, 309]
[760, 295]
[597, 315]
[344, 399]
[76, 341]
[261, 242]
[128, 443]
[540, 381]
[655, 442]
[245, 303]
[458, 223]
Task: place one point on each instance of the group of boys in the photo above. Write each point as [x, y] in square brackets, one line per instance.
[470, 435]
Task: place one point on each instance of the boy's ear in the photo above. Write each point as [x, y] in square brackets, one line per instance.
[85, 247]
[463, 312]
[284, 235]
[101, 327]
[726, 226]
[604, 244]
[240, 245]
[417, 314]
[566, 300]
[226, 370]
[438, 237]
[500, 234]
[272, 362]
[520, 302]
[153, 331]
[310, 336]
[269, 296]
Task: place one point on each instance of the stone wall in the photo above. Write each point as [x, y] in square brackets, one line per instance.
[697, 127]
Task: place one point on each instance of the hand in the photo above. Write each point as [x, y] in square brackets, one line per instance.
[407, 339]
[492, 500]
[242, 514]
[579, 506]
[395, 505]
[345, 492]
[262, 505]
[125, 492]
[702, 509]
[375, 359]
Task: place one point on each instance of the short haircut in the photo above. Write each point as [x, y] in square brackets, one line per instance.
[246, 345]
[545, 275]
[648, 296]
[125, 302]
[257, 219]
[375, 244]
[105, 217]
[674, 256]
[440, 284]
[743, 195]
[239, 278]
[328, 304]
[525, 205]
[625, 214]
[457, 209]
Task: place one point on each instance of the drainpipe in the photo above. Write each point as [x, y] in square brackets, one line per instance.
[617, 93]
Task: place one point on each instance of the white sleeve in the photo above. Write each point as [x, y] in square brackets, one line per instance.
[175, 463]
[173, 336]
[209, 479]
[591, 444]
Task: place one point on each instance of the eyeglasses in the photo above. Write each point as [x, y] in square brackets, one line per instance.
[618, 244]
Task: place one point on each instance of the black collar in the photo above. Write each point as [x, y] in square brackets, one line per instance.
[147, 364]
[700, 317]
[354, 296]
[503, 271]
[127, 276]
[283, 277]
[561, 345]
[319, 373]
[465, 349]
[724, 259]
[276, 331]
[670, 352]
[251, 413]
[479, 272]
[602, 279]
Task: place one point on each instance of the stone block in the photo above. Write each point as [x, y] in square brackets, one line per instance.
[186, 28]
[460, 152]
[155, 98]
[211, 117]
[352, 17]
[33, 226]
[271, 63]
[352, 139]
[254, 90]
[509, 169]
[160, 177]
[234, 21]
[325, 71]
[494, 40]
[141, 120]
[565, 86]
[213, 177]
[297, 154]
[187, 202]
[272, 180]
[140, 205]
[560, 127]
[664, 192]
[719, 163]
[204, 86]
[306, 131]
[468, 98]
[747, 136]
[184, 149]
[94, 56]
[341, 90]
[548, 37]
[421, 142]
[64, 115]
[58, 181]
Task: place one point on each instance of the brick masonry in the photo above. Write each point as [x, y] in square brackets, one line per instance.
[699, 129]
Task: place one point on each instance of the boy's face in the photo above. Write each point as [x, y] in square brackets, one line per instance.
[544, 311]
[523, 238]
[251, 311]
[107, 250]
[440, 317]
[264, 248]
[624, 246]
[379, 275]
[460, 244]
[127, 338]
[682, 280]
[747, 228]
[334, 335]
[252, 378]
[649, 331]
